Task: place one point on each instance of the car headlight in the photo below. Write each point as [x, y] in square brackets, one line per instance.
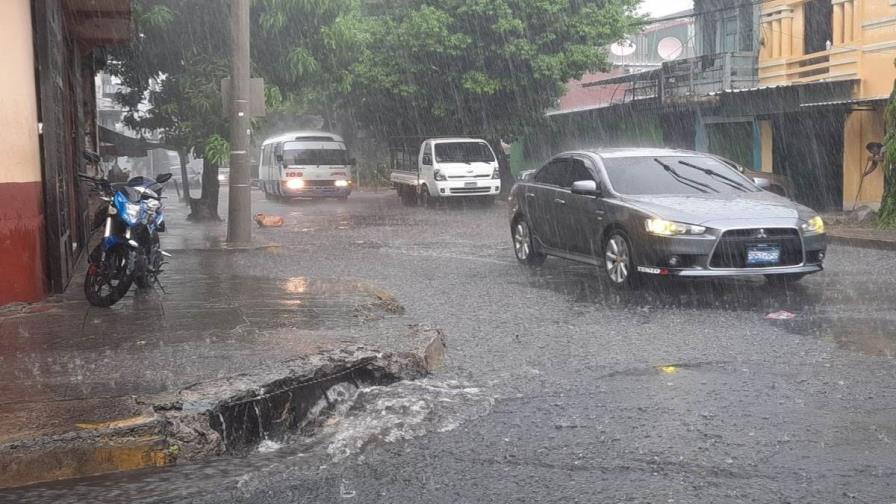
[341, 183]
[295, 183]
[496, 173]
[438, 175]
[669, 228]
[222, 178]
[813, 226]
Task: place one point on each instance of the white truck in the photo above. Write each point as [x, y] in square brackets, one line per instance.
[446, 168]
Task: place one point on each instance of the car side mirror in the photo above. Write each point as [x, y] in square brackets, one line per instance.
[352, 161]
[163, 177]
[427, 159]
[762, 182]
[586, 188]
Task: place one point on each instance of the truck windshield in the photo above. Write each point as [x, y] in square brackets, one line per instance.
[315, 156]
[463, 152]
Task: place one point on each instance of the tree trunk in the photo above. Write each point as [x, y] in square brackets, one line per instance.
[206, 207]
[184, 176]
[507, 178]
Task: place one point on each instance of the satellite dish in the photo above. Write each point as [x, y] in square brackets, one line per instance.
[623, 48]
[669, 48]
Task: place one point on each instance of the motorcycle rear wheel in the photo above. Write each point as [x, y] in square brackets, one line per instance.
[107, 279]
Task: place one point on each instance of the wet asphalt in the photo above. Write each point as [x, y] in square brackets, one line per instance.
[678, 392]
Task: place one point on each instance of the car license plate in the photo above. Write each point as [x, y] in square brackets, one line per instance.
[763, 255]
[469, 184]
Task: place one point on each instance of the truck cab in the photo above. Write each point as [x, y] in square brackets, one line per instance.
[449, 168]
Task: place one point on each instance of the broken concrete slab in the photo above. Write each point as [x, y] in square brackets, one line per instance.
[228, 415]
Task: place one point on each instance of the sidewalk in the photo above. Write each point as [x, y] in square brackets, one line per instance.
[153, 379]
[843, 229]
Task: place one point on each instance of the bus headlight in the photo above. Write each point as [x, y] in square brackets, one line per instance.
[295, 184]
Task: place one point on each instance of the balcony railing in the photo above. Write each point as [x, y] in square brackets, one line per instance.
[706, 74]
[825, 65]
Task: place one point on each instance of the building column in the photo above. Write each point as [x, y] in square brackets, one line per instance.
[766, 48]
[837, 24]
[776, 39]
[22, 240]
[847, 21]
[766, 139]
[786, 36]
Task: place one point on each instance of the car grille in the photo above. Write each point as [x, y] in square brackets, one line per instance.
[731, 251]
[484, 176]
[471, 190]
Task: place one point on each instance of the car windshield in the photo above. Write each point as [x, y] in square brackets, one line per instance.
[463, 152]
[674, 175]
[315, 156]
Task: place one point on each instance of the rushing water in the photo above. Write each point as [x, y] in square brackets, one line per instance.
[346, 423]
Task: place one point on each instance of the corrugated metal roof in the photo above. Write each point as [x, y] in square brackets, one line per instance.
[855, 101]
[779, 86]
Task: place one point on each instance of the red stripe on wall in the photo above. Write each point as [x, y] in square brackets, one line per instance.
[22, 242]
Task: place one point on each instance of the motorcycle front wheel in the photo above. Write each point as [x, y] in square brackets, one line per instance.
[107, 279]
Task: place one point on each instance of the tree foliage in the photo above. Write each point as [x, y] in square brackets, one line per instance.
[887, 215]
[172, 72]
[423, 67]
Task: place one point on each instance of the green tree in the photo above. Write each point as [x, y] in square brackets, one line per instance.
[483, 67]
[887, 215]
[436, 67]
[172, 73]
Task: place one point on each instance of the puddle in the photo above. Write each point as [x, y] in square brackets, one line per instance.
[664, 369]
[865, 335]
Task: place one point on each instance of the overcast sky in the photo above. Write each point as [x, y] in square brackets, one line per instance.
[657, 8]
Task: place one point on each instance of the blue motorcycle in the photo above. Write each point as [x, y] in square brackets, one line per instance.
[129, 251]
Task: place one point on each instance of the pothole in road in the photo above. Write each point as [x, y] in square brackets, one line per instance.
[663, 369]
[875, 336]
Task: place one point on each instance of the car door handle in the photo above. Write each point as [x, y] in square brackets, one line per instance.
[559, 201]
[530, 195]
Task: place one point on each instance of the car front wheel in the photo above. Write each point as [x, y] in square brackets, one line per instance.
[618, 262]
[524, 244]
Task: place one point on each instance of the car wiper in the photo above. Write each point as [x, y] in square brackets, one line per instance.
[693, 184]
[726, 180]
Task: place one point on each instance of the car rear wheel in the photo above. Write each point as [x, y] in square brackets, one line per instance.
[618, 262]
[524, 244]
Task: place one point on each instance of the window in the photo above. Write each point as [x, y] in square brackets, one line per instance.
[686, 175]
[463, 152]
[577, 171]
[266, 156]
[553, 173]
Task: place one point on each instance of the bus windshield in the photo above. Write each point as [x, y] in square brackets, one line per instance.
[295, 154]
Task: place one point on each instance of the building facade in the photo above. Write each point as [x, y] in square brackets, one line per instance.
[851, 42]
[795, 87]
[52, 49]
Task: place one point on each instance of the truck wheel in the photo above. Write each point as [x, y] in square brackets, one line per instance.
[425, 198]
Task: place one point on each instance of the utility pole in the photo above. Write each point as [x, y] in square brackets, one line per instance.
[239, 210]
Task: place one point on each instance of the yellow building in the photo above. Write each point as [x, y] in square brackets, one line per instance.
[806, 42]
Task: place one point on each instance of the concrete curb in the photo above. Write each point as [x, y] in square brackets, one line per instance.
[212, 418]
[868, 243]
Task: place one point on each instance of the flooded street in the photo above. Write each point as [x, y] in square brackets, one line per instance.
[556, 388]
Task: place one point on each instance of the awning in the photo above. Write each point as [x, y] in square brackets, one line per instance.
[115, 144]
[100, 22]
